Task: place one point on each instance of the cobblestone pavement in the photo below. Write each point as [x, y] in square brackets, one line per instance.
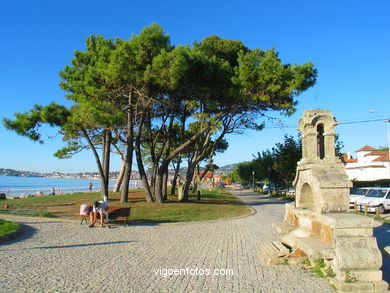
[62, 256]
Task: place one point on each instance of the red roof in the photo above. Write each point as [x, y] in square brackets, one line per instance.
[351, 160]
[376, 153]
[209, 174]
[383, 158]
[366, 149]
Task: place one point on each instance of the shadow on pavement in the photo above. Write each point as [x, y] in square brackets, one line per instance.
[382, 236]
[81, 245]
[269, 202]
[28, 232]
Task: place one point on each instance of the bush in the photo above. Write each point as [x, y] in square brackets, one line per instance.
[376, 183]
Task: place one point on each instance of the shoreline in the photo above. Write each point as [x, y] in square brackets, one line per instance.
[22, 186]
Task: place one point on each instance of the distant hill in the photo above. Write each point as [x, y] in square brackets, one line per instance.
[228, 168]
[11, 172]
[224, 169]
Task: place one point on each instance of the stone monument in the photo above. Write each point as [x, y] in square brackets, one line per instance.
[318, 224]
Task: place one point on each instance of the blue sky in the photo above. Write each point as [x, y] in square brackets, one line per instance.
[348, 41]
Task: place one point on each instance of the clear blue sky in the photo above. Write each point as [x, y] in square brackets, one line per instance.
[348, 41]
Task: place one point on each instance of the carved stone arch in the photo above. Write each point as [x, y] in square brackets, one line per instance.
[306, 199]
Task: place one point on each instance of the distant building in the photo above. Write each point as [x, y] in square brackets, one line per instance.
[208, 177]
[370, 164]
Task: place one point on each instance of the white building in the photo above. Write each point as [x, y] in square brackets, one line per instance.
[370, 165]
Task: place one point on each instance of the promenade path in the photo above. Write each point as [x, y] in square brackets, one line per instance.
[62, 256]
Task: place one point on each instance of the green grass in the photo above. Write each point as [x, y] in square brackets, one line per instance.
[7, 227]
[373, 215]
[281, 196]
[213, 205]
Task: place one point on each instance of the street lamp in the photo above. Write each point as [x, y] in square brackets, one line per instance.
[388, 130]
[253, 181]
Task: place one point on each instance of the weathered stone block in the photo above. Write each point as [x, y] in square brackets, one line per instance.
[360, 275]
[321, 231]
[380, 286]
[354, 253]
[347, 220]
[354, 286]
[283, 228]
[352, 232]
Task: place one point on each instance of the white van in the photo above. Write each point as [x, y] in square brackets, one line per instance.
[378, 197]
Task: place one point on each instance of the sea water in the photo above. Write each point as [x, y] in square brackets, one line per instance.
[17, 185]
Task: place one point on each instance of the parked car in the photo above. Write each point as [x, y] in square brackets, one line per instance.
[268, 186]
[239, 186]
[358, 193]
[378, 197]
[291, 191]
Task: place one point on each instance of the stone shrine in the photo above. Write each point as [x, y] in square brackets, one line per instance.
[318, 224]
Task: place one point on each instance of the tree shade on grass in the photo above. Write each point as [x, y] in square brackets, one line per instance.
[212, 206]
[7, 227]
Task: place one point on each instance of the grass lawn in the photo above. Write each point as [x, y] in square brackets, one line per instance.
[281, 196]
[7, 227]
[212, 206]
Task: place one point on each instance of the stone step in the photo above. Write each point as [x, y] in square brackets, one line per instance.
[313, 247]
[283, 228]
[274, 252]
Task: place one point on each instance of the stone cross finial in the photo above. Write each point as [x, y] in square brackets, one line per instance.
[318, 135]
[321, 182]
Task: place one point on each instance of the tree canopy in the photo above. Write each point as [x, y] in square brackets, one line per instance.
[164, 102]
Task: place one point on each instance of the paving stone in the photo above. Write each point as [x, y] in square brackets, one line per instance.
[64, 256]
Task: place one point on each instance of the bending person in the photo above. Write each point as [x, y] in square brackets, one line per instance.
[100, 207]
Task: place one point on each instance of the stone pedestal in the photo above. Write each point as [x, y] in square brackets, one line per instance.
[345, 240]
[318, 224]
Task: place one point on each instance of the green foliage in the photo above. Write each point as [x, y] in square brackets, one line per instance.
[349, 278]
[277, 165]
[320, 263]
[212, 88]
[28, 123]
[286, 155]
[268, 83]
[243, 172]
[330, 273]
[320, 268]
[318, 272]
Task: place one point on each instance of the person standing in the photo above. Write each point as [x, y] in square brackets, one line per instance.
[90, 186]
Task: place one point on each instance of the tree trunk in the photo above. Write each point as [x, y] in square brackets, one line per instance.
[175, 177]
[129, 152]
[120, 178]
[126, 182]
[95, 153]
[153, 179]
[106, 162]
[159, 181]
[165, 185]
[141, 168]
[189, 176]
